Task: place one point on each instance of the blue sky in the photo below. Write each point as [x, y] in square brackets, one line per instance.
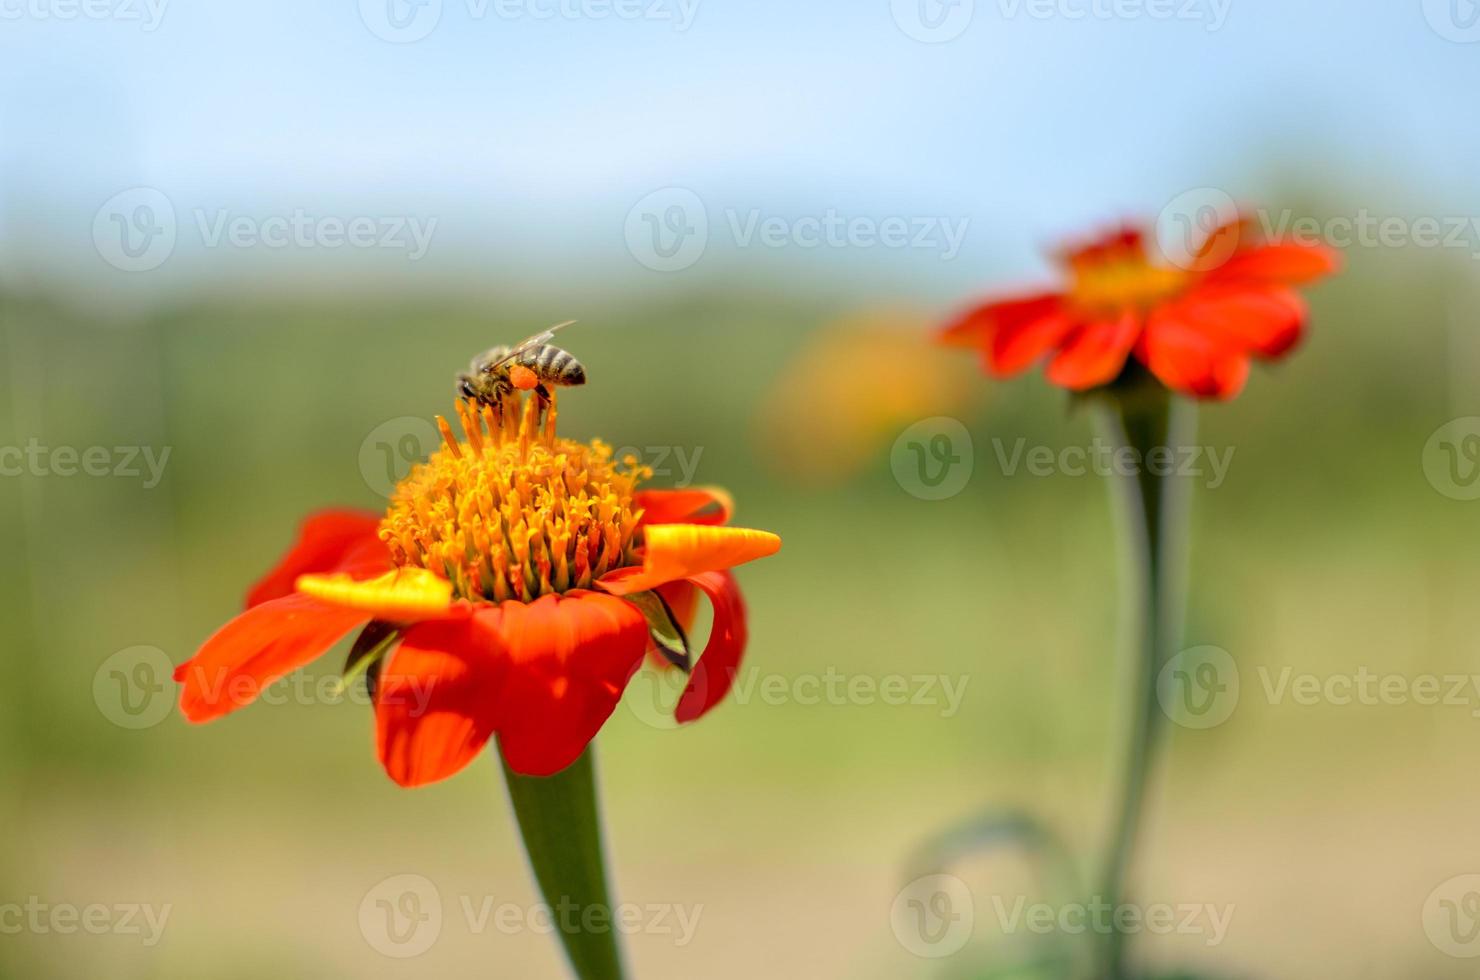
[529, 138]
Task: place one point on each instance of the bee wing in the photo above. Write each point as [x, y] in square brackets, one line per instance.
[543, 337]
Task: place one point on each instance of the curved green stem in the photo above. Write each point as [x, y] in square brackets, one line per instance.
[560, 821]
[1153, 535]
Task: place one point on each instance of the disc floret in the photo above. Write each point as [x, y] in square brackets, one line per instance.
[513, 511]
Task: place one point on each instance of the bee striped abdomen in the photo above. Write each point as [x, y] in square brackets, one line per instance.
[553, 365]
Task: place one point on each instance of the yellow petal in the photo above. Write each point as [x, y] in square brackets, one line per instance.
[677, 551]
[403, 595]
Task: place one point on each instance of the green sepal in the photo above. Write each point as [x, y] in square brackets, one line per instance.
[663, 627]
[367, 653]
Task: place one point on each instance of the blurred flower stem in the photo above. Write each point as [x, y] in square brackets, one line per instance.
[1143, 418]
[560, 821]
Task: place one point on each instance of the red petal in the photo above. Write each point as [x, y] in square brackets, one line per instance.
[1016, 346]
[329, 541]
[256, 648]
[1266, 321]
[435, 699]
[1190, 360]
[1096, 353]
[569, 658]
[978, 326]
[714, 672]
[696, 505]
[1284, 264]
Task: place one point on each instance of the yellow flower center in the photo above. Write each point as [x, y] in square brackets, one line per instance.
[1115, 275]
[513, 511]
[1117, 286]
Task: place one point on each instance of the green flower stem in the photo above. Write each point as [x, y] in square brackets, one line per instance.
[560, 820]
[1154, 539]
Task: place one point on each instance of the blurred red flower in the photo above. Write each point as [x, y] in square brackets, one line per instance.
[1195, 325]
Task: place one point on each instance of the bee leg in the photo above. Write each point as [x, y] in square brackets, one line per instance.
[543, 394]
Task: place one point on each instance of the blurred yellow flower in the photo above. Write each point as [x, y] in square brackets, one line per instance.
[851, 387]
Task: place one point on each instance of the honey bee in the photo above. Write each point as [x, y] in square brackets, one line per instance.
[534, 363]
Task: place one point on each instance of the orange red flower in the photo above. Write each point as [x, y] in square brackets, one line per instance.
[1195, 326]
[499, 596]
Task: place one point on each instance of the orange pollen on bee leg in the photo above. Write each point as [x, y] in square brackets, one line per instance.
[515, 511]
[522, 377]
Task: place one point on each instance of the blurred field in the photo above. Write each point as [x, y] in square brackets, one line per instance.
[1326, 549]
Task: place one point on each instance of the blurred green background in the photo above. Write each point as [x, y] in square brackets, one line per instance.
[1323, 828]
[550, 151]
